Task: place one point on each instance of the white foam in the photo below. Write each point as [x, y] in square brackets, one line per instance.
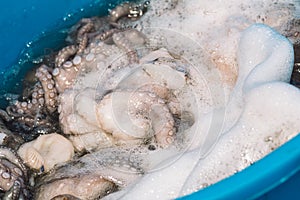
[262, 105]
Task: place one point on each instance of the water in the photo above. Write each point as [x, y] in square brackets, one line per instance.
[33, 52]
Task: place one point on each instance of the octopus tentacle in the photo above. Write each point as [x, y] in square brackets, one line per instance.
[122, 42]
[37, 96]
[107, 34]
[143, 104]
[14, 158]
[4, 116]
[29, 109]
[87, 27]
[48, 84]
[64, 54]
[64, 76]
[72, 186]
[82, 43]
[82, 34]
[164, 93]
[130, 10]
[119, 12]
[147, 112]
[14, 192]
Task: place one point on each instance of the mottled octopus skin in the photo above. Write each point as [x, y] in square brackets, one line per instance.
[48, 84]
[54, 82]
[107, 34]
[64, 54]
[82, 35]
[28, 109]
[13, 175]
[128, 40]
[130, 10]
[140, 110]
[121, 41]
[65, 75]
[80, 187]
[86, 28]
[13, 157]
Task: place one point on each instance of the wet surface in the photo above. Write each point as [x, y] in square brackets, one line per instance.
[295, 79]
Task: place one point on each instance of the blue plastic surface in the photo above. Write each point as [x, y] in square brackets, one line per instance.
[275, 177]
[21, 21]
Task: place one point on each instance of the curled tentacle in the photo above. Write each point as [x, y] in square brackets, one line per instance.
[146, 115]
[64, 54]
[119, 12]
[107, 34]
[27, 108]
[64, 76]
[122, 42]
[28, 111]
[37, 96]
[147, 105]
[82, 43]
[129, 40]
[14, 192]
[48, 84]
[14, 158]
[4, 116]
[82, 34]
[86, 28]
[12, 180]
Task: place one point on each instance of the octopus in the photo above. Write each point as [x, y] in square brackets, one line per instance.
[103, 112]
[108, 94]
[13, 176]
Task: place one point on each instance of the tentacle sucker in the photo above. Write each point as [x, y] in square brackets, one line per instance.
[14, 193]
[64, 54]
[48, 84]
[13, 157]
[147, 116]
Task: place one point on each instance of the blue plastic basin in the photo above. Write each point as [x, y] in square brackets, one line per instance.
[277, 176]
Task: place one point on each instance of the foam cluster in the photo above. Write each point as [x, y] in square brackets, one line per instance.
[261, 114]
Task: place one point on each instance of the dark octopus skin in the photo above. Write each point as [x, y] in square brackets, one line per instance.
[11, 140]
[31, 115]
[13, 176]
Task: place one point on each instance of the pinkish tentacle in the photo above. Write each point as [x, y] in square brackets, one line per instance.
[82, 43]
[48, 84]
[86, 28]
[148, 116]
[130, 10]
[147, 105]
[122, 42]
[64, 76]
[64, 54]
[82, 34]
[30, 106]
[107, 34]
[119, 12]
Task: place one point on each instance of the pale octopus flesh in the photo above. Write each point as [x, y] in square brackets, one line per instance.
[108, 95]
